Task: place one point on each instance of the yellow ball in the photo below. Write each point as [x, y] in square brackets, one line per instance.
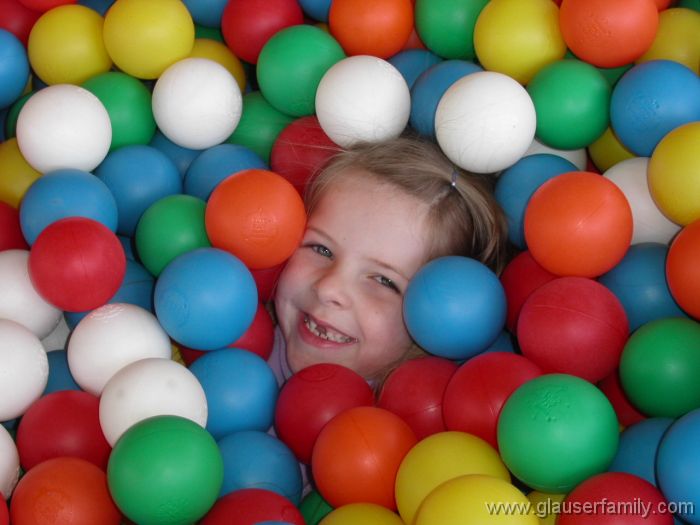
[145, 37]
[439, 458]
[66, 45]
[607, 151]
[546, 506]
[364, 513]
[476, 500]
[677, 38]
[674, 174]
[518, 37]
[218, 52]
[16, 175]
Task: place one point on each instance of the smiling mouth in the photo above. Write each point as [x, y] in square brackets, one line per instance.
[326, 333]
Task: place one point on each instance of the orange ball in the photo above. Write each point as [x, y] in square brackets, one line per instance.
[256, 215]
[608, 33]
[371, 27]
[578, 224]
[357, 456]
[683, 270]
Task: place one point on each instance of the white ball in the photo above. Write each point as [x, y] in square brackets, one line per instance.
[197, 103]
[650, 225]
[63, 126]
[19, 300]
[24, 369]
[111, 337]
[9, 464]
[485, 122]
[362, 99]
[58, 338]
[147, 388]
[577, 157]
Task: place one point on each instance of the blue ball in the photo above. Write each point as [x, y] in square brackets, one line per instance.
[60, 377]
[128, 245]
[181, 157]
[411, 63]
[206, 12]
[652, 99]
[454, 307]
[206, 299]
[636, 453]
[639, 282]
[241, 391]
[66, 193]
[101, 6]
[138, 176]
[217, 163]
[256, 460]
[14, 68]
[518, 183]
[503, 343]
[316, 9]
[429, 88]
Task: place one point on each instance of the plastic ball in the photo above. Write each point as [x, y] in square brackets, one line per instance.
[578, 224]
[362, 443]
[66, 193]
[64, 489]
[682, 275]
[651, 100]
[454, 307]
[547, 506]
[60, 377]
[674, 38]
[275, 468]
[260, 336]
[241, 391]
[556, 431]
[411, 63]
[291, 65]
[485, 122]
[144, 39]
[607, 150]
[256, 215]
[181, 157]
[478, 390]
[447, 27]
[11, 237]
[316, 9]
[100, 6]
[266, 281]
[414, 392]
[218, 52]
[64, 126]
[314, 508]
[311, 398]
[578, 157]
[9, 468]
[18, 19]
[518, 38]
[440, 458]
[16, 175]
[616, 32]
[165, 469]
[365, 513]
[247, 506]
[638, 447]
[14, 68]
[108, 339]
[627, 413]
[208, 12]
[61, 424]
[671, 174]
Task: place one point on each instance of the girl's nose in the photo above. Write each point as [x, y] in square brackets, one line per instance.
[331, 288]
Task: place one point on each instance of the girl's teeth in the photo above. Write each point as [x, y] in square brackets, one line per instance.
[323, 333]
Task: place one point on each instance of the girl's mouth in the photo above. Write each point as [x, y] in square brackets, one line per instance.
[324, 332]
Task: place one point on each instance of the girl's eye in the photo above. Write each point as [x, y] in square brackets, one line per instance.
[385, 281]
[321, 250]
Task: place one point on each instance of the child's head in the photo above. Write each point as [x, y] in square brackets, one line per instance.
[376, 214]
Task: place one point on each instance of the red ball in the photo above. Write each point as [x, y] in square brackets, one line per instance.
[63, 423]
[414, 392]
[477, 392]
[301, 150]
[63, 490]
[18, 19]
[257, 216]
[683, 271]
[249, 506]
[44, 5]
[247, 25]
[520, 278]
[413, 42]
[4, 514]
[311, 398]
[10, 231]
[266, 281]
[357, 455]
[573, 325]
[77, 264]
[627, 413]
[615, 498]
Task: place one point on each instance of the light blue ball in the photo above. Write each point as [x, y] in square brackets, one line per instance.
[316, 9]
[205, 299]
[256, 460]
[216, 164]
[66, 193]
[454, 307]
[241, 391]
[60, 377]
[652, 99]
[14, 68]
[518, 183]
[411, 63]
[206, 12]
[636, 453]
[181, 157]
[138, 176]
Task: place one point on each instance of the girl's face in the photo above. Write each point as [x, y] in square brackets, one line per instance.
[339, 299]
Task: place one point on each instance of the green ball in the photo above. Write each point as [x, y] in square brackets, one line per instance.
[128, 103]
[556, 431]
[165, 470]
[613, 74]
[290, 67]
[690, 4]
[660, 367]
[446, 27]
[170, 227]
[314, 508]
[13, 114]
[572, 102]
[259, 126]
